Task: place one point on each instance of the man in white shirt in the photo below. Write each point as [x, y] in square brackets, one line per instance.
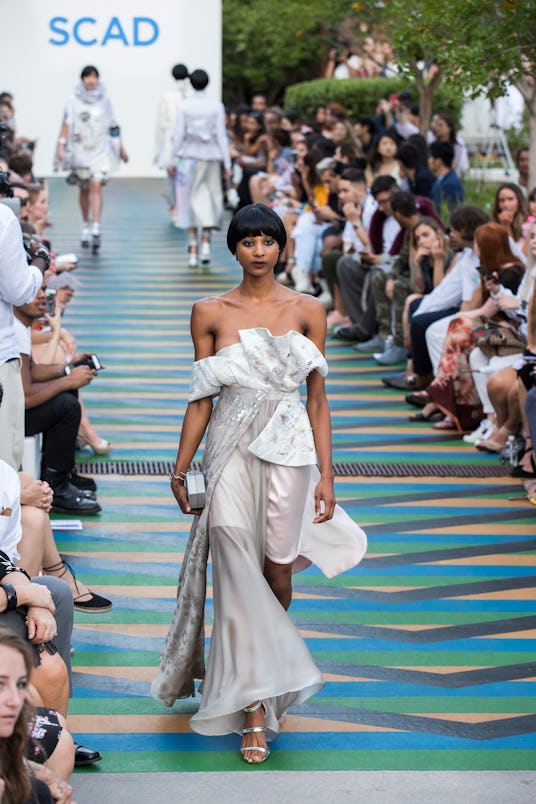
[354, 269]
[52, 408]
[19, 282]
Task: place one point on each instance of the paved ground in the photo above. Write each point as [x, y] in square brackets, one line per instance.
[427, 647]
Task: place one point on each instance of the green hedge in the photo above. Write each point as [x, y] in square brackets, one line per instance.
[360, 96]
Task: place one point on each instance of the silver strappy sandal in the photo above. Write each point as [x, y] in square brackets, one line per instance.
[265, 751]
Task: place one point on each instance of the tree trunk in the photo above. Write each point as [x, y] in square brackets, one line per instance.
[426, 94]
[527, 87]
[425, 104]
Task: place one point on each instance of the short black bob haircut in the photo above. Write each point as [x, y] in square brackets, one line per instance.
[255, 220]
[199, 80]
[89, 70]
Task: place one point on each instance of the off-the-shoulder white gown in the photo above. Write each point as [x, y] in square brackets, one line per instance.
[259, 423]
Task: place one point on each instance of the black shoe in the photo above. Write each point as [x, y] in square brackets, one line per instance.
[85, 756]
[352, 334]
[408, 382]
[419, 399]
[95, 605]
[67, 498]
[82, 483]
[71, 501]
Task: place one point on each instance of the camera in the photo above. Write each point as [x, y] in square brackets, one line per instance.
[50, 304]
[5, 185]
[92, 361]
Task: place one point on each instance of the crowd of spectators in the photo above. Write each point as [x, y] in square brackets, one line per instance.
[410, 274]
[41, 373]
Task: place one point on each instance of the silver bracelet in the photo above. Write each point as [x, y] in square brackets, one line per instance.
[178, 476]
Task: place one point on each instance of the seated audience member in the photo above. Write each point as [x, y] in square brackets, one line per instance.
[510, 210]
[18, 283]
[522, 162]
[38, 609]
[415, 177]
[447, 190]
[494, 374]
[391, 289]
[277, 175]
[366, 131]
[54, 344]
[54, 410]
[17, 782]
[306, 235]
[22, 164]
[453, 293]
[443, 129]
[530, 413]
[354, 271]
[453, 391]
[250, 156]
[37, 548]
[382, 158]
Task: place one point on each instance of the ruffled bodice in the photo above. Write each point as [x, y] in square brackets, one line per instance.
[272, 367]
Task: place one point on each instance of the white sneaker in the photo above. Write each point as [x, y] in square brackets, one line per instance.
[85, 236]
[301, 280]
[483, 431]
[388, 343]
[95, 230]
[205, 252]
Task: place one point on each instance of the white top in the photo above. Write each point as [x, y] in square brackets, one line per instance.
[276, 366]
[23, 335]
[351, 238]
[19, 282]
[457, 285]
[200, 130]
[10, 527]
[88, 127]
[165, 122]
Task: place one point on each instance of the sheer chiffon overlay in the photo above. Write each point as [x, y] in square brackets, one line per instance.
[259, 459]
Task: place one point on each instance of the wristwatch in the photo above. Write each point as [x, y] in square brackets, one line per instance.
[11, 594]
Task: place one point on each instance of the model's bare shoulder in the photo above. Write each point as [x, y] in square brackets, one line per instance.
[313, 318]
[311, 307]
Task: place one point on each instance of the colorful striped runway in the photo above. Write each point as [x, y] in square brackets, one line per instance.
[428, 647]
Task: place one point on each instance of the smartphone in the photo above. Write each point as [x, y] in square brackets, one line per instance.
[485, 273]
[50, 305]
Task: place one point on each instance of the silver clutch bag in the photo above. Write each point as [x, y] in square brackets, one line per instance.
[196, 489]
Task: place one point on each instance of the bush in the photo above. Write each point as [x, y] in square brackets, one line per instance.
[360, 96]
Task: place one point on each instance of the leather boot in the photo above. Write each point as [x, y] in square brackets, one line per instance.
[67, 498]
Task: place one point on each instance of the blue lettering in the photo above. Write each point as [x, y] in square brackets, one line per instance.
[145, 31]
[55, 28]
[138, 22]
[114, 31]
[76, 31]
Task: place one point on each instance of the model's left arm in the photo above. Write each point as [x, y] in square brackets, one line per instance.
[319, 416]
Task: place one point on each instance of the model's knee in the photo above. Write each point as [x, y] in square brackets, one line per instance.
[279, 577]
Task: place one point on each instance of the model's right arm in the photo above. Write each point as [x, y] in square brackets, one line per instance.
[198, 412]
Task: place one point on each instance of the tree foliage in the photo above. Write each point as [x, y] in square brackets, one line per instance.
[268, 44]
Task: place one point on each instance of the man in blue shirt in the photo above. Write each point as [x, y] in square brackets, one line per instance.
[447, 189]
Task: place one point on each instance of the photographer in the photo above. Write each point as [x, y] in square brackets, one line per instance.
[52, 408]
[19, 282]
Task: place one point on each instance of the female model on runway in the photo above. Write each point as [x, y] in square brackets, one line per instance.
[90, 146]
[270, 506]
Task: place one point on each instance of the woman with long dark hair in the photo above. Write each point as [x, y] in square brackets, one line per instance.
[270, 504]
[453, 391]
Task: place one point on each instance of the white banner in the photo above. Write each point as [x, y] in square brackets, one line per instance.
[133, 44]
